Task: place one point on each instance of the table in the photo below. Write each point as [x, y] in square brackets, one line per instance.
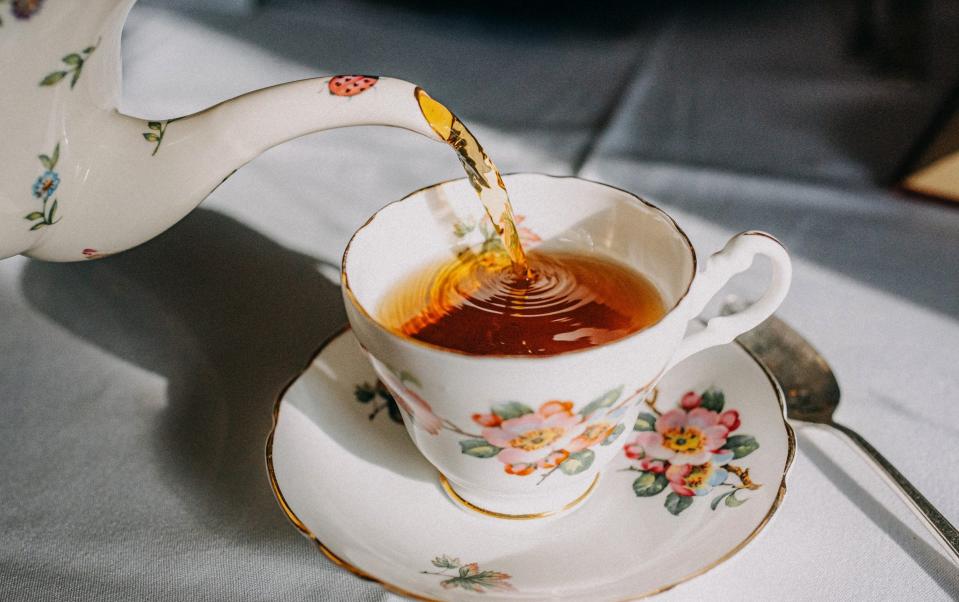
[136, 391]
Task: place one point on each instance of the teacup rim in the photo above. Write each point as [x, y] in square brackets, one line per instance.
[633, 197]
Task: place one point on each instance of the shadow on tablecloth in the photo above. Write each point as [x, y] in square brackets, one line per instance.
[227, 317]
[928, 558]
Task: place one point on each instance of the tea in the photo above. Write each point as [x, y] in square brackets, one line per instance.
[481, 172]
[478, 304]
[501, 300]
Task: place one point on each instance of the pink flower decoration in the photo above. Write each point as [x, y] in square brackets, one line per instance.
[651, 465]
[487, 419]
[634, 450]
[526, 235]
[688, 480]
[593, 434]
[94, 254]
[681, 437]
[691, 400]
[730, 419]
[540, 439]
[414, 405]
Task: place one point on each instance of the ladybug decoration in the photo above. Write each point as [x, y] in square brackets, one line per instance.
[351, 85]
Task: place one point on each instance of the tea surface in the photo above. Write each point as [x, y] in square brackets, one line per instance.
[478, 304]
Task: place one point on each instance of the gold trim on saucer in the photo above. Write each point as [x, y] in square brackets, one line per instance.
[342, 563]
[455, 496]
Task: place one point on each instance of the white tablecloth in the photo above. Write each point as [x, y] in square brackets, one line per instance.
[136, 392]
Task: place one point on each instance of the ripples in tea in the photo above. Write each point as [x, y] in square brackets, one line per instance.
[479, 304]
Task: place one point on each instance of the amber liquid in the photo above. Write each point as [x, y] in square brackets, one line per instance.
[477, 304]
[481, 172]
[500, 299]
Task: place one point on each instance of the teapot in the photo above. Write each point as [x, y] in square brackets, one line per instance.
[80, 180]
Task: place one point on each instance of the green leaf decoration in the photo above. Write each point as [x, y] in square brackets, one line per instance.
[53, 211]
[715, 503]
[384, 393]
[73, 59]
[714, 399]
[461, 229]
[406, 377]
[649, 483]
[616, 432]
[445, 562]
[603, 401]
[476, 581]
[154, 125]
[645, 422]
[89, 49]
[364, 393]
[741, 445]
[676, 503]
[33, 216]
[578, 462]
[151, 136]
[76, 76]
[38, 225]
[479, 448]
[47, 162]
[511, 409]
[732, 501]
[56, 156]
[53, 78]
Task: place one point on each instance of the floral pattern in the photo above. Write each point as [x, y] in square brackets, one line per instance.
[491, 240]
[74, 67]
[44, 188]
[550, 438]
[396, 395]
[469, 576]
[94, 254]
[23, 9]
[526, 441]
[367, 393]
[155, 135]
[690, 449]
[416, 408]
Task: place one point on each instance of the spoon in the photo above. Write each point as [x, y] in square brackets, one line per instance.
[812, 395]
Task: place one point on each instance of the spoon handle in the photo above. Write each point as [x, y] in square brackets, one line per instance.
[937, 524]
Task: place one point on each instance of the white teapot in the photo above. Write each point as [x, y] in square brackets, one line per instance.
[79, 180]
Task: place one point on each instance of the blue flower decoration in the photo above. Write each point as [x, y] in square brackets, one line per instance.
[46, 184]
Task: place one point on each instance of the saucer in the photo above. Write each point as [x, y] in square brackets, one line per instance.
[348, 477]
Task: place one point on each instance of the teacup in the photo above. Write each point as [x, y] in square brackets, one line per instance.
[527, 436]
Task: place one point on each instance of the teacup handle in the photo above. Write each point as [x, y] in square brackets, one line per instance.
[737, 256]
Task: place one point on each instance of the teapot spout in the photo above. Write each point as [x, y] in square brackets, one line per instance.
[274, 115]
[155, 172]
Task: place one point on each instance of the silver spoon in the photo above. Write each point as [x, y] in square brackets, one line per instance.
[812, 395]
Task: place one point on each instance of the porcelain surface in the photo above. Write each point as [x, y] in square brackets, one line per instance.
[524, 436]
[79, 180]
[348, 477]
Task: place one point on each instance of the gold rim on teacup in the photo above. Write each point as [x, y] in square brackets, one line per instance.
[355, 302]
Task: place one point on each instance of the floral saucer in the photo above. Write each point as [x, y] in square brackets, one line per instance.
[348, 477]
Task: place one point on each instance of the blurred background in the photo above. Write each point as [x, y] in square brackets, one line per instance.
[761, 114]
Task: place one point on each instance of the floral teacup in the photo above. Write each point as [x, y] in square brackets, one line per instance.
[527, 436]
